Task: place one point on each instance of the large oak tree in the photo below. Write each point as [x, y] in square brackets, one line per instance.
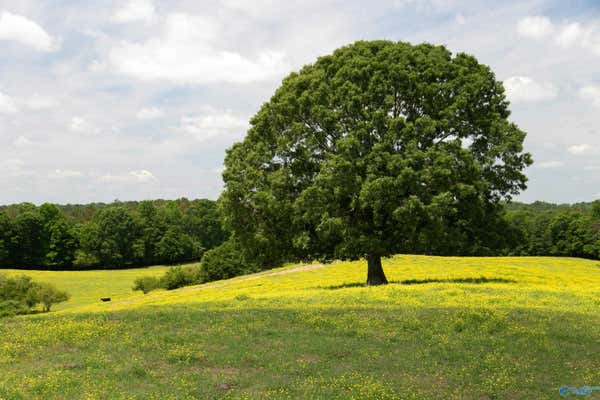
[379, 148]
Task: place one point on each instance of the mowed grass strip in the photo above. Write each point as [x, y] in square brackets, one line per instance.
[465, 328]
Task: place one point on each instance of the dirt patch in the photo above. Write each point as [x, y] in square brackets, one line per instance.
[308, 358]
[252, 277]
[224, 386]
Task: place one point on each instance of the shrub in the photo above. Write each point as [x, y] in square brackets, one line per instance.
[17, 288]
[226, 261]
[146, 283]
[19, 295]
[9, 308]
[174, 278]
[48, 295]
[177, 277]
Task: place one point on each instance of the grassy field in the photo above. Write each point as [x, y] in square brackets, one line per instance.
[448, 328]
[87, 287]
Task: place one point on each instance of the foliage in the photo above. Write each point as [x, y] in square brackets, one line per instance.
[48, 295]
[146, 284]
[117, 235]
[178, 276]
[111, 238]
[10, 308]
[226, 261]
[379, 148]
[17, 289]
[173, 278]
[18, 295]
[572, 231]
[177, 246]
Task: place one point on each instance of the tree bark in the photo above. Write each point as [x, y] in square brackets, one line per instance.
[375, 274]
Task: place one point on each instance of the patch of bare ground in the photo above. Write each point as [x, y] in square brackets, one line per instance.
[308, 358]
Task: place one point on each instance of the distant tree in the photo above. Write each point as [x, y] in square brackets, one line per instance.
[177, 246]
[370, 151]
[152, 230]
[202, 222]
[29, 240]
[112, 237]
[146, 284]
[50, 213]
[596, 210]
[19, 294]
[48, 295]
[59, 240]
[62, 245]
[6, 236]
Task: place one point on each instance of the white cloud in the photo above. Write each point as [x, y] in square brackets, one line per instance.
[65, 174]
[142, 175]
[525, 89]
[11, 165]
[39, 102]
[550, 164]
[591, 168]
[567, 35]
[460, 19]
[185, 52]
[591, 93]
[549, 145]
[215, 124]
[139, 176]
[97, 66]
[22, 141]
[586, 37]
[134, 10]
[81, 125]
[536, 27]
[11, 105]
[149, 113]
[426, 5]
[7, 104]
[25, 31]
[579, 149]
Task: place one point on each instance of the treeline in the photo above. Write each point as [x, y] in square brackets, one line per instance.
[132, 234]
[544, 229]
[116, 235]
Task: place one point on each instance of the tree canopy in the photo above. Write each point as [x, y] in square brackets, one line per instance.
[379, 148]
[113, 235]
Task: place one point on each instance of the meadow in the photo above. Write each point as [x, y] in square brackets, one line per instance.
[87, 287]
[446, 328]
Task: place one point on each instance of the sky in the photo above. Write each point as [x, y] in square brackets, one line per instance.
[139, 99]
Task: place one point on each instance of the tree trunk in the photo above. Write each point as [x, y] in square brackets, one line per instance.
[375, 274]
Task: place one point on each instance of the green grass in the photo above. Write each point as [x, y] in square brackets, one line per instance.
[458, 328]
[87, 287]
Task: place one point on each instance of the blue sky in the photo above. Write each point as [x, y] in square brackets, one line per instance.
[104, 100]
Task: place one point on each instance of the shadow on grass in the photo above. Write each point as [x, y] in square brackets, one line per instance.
[480, 280]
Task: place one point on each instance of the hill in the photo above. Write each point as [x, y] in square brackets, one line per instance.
[449, 328]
